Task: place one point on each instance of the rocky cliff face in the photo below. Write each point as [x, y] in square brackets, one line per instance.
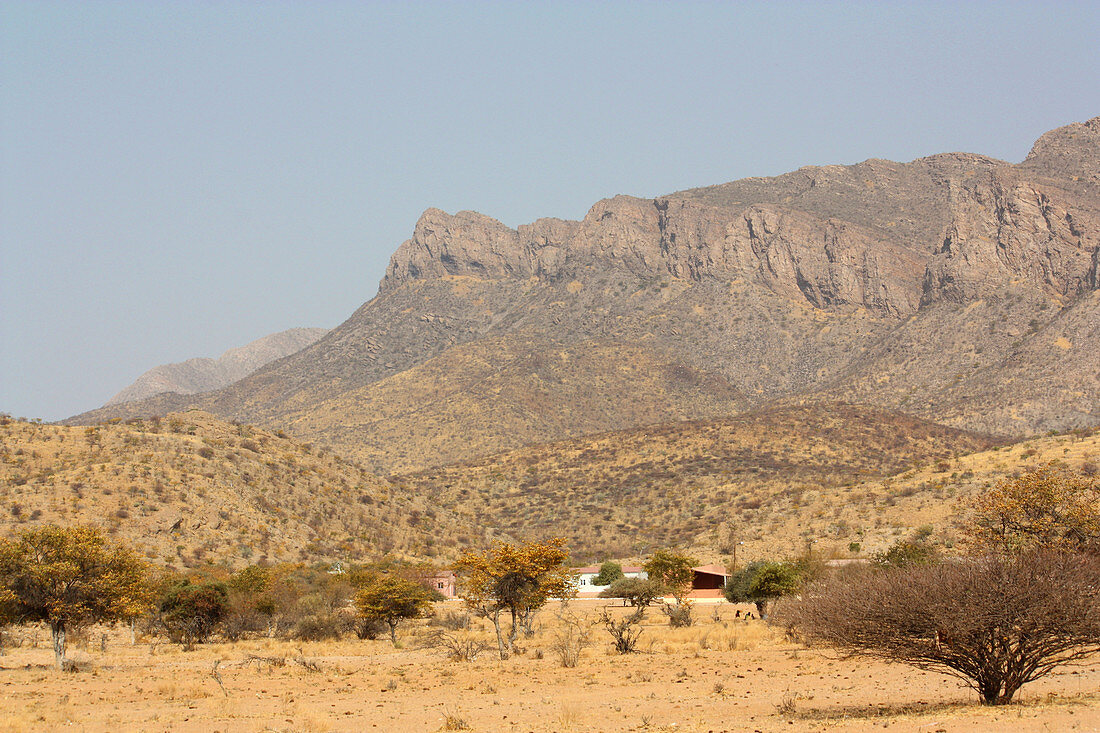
[203, 375]
[980, 225]
[957, 287]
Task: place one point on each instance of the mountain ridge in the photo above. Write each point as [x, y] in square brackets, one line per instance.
[956, 287]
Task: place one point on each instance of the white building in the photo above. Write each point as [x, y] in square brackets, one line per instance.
[584, 577]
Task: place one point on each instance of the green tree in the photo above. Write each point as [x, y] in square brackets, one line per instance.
[906, 553]
[609, 573]
[638, 592]
[69, 577]
[191, 611]
[514, 579]
[761, 582]
[251, 602]
[672, 570]
[391, 598]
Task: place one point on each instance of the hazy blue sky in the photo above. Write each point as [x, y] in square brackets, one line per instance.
[177, 179]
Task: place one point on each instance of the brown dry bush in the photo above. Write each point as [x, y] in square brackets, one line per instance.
[573, 634]
[996, 622]
[625, 631]
[458, 646]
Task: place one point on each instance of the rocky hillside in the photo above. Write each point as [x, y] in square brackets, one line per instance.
[958, 288]
[773, 479]
[203, 375]
[190, 489]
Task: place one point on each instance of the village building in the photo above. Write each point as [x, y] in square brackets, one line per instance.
[585, 576]
[442, 582]
[708, 581]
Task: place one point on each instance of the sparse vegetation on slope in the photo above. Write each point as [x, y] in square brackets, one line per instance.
[190, 489]
[774, 480]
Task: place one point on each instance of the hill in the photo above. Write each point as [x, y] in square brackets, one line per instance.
[764, 484]
[191, 489]
[958, 288]
[203, 375]
[622, 494]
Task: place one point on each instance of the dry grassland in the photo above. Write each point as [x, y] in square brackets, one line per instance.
[723, 674]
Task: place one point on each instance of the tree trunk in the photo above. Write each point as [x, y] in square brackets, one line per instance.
[500, 637]
[57, 631]
[991, 693]
[513, 633]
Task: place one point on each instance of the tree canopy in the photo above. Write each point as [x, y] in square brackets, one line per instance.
[638, 592]
[672, 570]
[191, 611]
[391, 598]
[1049, 506]
[998, 621]
[69, 577]
[761, 582]
[609, 573]
[905, 553]
[518, 579]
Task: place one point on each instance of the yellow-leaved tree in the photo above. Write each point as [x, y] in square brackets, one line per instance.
[1048, 507]
[69, 577]
[514, 579]
[391, 598]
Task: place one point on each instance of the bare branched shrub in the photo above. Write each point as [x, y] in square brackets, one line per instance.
[572, 635]
[679, 614]
[996, 622]
[624, 631]
[459, 646]
[451, 620]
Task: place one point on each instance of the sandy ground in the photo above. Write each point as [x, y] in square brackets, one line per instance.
[724, 675]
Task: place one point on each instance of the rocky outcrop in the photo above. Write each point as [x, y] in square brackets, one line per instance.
[1007, 229]
[203, 375]
[1070, 153]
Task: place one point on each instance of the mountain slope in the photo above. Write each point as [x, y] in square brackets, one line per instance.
[203, 375]
[948, 287]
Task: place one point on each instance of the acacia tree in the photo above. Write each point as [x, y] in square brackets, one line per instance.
[997, 622]
[761, 582]
[635, 591]
[672, 571]
[69, 577]
[1049, 506]
[391, 598]
[514, 579]
[191, 611]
